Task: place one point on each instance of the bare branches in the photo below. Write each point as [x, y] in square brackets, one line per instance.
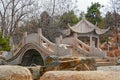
[57, 7]
[5, 7]
[54, 1]
[115, 5]
[3, 4]
[115, 12]
[13, 12]
[0, 14]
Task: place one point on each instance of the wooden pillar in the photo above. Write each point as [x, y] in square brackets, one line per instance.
[98, 41]
[108, 47]
[91, 44]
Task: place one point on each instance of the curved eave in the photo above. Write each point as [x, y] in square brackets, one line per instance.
[78, 28]
[78, 31]
[101, 31]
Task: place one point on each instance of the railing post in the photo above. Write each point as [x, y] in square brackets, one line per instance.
[25, 37]
[91, 45]
[75, 35]
[98, 41]
[12, 45]
[39, 36]
[61, 39]
[57, 43]
[39, 31]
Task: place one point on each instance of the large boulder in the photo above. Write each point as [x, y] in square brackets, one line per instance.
[81, 75]
[8, 72]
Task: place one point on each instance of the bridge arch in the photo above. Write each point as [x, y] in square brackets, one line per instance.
[32, 56]
[25, 50]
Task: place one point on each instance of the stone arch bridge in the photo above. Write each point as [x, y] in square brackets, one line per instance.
[34, 48]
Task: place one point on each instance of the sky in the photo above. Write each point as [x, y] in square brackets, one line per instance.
[83, 4]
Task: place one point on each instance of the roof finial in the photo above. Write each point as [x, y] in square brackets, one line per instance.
[83, 15]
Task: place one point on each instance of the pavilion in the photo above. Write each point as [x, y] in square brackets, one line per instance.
[84, 28]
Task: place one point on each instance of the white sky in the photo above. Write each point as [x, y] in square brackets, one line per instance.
[83, 4]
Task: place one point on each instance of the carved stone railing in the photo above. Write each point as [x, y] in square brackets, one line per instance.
[77, 46]
[95, 51]
[98, 52]
[18, 47]
[20, 44]
[37, 38]
[83, 46]
[46, 43]
[61, 49]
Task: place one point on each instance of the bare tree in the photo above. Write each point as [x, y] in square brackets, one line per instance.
[12, 12]
[115, 9]
[57, 7]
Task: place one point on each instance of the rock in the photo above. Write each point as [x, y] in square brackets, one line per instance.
[8, 72]
[70, 64]
[2, 61]
[37, 71]
[114, 53]
[81, 75]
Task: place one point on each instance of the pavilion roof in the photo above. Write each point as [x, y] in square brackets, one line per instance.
[84, 26]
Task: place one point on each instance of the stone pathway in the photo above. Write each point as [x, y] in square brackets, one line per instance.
[109, 68]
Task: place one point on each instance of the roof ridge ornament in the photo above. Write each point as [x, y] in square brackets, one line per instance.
[83, 16]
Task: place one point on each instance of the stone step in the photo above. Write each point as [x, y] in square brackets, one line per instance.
[105, 63]
[81, 75]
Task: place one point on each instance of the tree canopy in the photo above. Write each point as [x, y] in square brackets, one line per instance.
[4, 43]
[68, 17]
[94, 14]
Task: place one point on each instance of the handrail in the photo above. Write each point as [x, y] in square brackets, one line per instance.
[77, 44]
[21, 43]
[85, 45]
[19, 46]
[49, 44]
[83, 50]
[46, 40]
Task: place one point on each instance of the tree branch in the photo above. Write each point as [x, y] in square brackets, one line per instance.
[3, 4]
[0, 14]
